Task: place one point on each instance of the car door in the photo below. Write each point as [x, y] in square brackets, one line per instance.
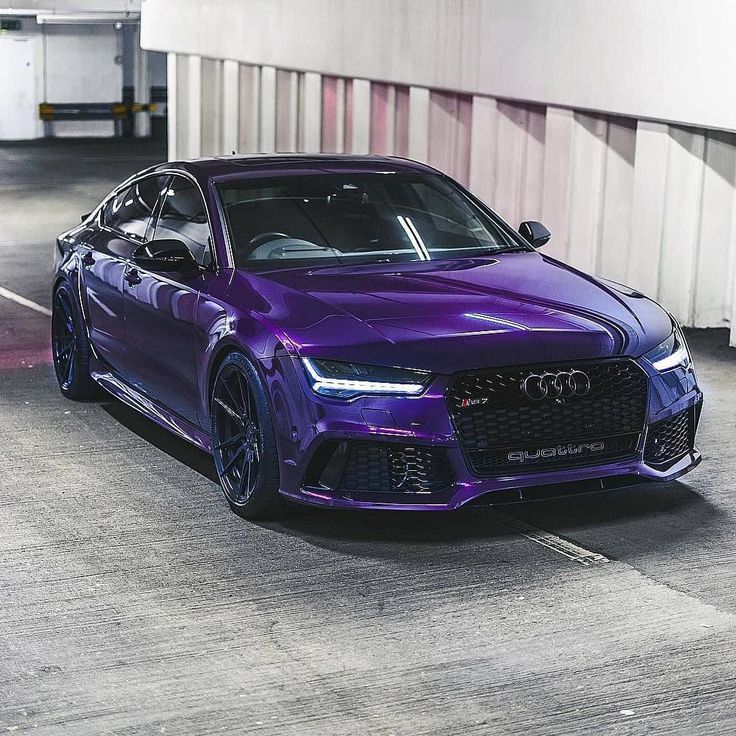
[160, 308]
[103, 256]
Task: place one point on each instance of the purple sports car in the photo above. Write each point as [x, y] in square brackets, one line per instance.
[362, 332]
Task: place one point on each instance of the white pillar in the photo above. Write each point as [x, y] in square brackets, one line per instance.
[532, 190]
[194, 107]
[310, 118]
[249, 117]
[615, 235]
[267, 142]
[509, 160]
[681, 222]
[586, 191]
[230, 100]
[483, 128]
[141, 86]
[211, 108]
[419, 123]
[172, 105]
[558, 146]
[361, 117]
[287, 110]
[647, 218]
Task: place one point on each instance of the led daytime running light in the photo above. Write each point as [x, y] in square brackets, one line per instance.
[358, 386]
[679, 357]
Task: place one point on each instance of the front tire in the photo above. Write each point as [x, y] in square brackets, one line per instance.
[243, 440]
[70, 347]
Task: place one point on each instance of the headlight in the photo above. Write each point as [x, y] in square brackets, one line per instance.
[348, 380]
[671, 353]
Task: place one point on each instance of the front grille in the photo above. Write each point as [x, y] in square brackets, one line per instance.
[359, 468]
[669, 440]
[493, 418]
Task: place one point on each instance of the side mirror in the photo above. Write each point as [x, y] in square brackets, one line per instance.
[83, 218]
[536, 233]
[166, 255]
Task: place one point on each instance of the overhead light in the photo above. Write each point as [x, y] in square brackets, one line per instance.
[86, 18]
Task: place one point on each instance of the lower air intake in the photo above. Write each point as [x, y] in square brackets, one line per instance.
[671, 439]
[355, 469]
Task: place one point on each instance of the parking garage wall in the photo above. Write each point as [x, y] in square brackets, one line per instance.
[648, 204]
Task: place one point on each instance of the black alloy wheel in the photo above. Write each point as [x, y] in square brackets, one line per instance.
[243, 443]
[69, 346]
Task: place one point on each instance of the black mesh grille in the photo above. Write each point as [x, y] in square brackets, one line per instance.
[375, 468]
[382, 468]
[669, 440]
[491, 414]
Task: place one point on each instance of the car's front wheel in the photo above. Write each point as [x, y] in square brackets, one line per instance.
[243, 440]
[69, 346]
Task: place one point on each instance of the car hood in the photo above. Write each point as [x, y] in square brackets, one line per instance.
[446, 316]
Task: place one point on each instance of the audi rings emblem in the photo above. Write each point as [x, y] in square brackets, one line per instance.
[560, 385]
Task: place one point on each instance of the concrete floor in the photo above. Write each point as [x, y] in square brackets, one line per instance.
[133, 602]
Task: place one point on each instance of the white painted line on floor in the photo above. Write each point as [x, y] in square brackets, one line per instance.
[18, 299]
[562, 546]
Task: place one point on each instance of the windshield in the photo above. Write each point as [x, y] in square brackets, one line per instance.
[357, 218]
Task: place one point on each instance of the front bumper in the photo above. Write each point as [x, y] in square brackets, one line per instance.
[424, 423]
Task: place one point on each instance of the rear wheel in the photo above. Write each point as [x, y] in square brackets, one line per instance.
[243, 441]
[70, 347]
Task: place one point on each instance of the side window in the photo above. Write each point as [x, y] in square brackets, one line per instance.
[130, 210]
[184, 217]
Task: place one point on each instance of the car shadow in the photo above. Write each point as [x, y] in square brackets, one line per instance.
[176, 447]
[676, 510]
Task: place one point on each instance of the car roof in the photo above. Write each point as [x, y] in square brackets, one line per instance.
[258, 165]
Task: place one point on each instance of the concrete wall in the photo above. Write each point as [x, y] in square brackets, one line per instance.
[629, 171]
[671, 60]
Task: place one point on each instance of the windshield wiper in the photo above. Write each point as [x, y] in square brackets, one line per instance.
[513, 249]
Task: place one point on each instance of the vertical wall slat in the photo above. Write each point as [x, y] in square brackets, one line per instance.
[310, 118]
[510, 160]
[558, 147]
[483, 135]
[712, 287]
[267, 124]
[230, 101]
[681, 221]
[249, 117]
[173, 101]
[330, 114]
[401, 121]
[647, 217]
[193, 143]
[419, 123]
[287, 110]
[618, 191]
[586, 190]
[211, 108]
[533, 186]
[361, 116]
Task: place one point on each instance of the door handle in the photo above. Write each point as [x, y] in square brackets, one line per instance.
[132, 277]
[88, 260]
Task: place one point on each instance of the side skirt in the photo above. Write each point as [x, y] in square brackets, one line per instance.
[153, 411]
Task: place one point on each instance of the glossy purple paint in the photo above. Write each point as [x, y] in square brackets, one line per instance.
[158, 345]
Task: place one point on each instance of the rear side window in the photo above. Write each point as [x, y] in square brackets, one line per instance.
[184, 217]
[130, 210]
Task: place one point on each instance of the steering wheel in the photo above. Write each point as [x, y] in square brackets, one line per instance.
[265, 238]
